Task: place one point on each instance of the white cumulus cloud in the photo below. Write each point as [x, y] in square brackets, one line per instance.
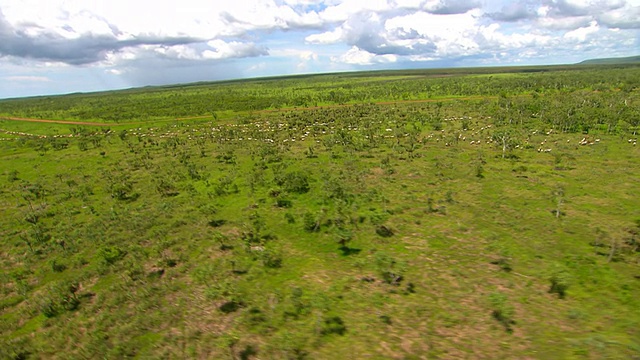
[159, 40]
[362, 57]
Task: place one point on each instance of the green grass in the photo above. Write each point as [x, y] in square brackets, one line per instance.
[163, 239]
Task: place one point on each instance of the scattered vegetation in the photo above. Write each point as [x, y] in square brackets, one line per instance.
[463, 213]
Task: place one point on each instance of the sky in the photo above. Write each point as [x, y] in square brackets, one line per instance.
[64, 46]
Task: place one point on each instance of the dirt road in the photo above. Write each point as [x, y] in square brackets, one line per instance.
[56, 121]
[84, 123]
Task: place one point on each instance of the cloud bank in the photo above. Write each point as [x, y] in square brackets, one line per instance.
[133, 40]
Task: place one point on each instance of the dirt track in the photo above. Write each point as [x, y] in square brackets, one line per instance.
[56, 121]
[65, 122]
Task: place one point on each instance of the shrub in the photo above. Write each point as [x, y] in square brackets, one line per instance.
[194, 172]
[225, 185]
[389, 269]
[59, 144]
[12, 176]
[70, 300]
[504, 263]
[333, 325]
[274, 192]
[111, 254]
[166, 187]
[83, 144]
[217, 222]
[411, 289]
[344, 236]
[119, 186]
[290, 218]
[60, 297]
[296, 182]
[48, 307]
[57, 266]
[271, 258]
[379, 217]
[255, 316]
[502, 311]
[231, 306]
[297, 304]
[384, 231]
[227, 158]
[209, 209]
[310, 223]
[449, 197]
[504, 260]
[560, 281]
[283, 203]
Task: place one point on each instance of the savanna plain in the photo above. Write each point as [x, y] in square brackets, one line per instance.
[488, 213]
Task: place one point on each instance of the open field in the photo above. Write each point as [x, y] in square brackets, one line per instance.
[404, 215]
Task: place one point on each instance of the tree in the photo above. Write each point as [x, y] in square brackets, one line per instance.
[119, 185]
[505, 138]
[558, 195]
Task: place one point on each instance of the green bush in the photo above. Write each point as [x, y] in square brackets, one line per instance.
[217, 222]
[111, 254]
[296, 182]
[12, 176]
[384, 231]
[166, 187]
[290, 218]
[560, 281]
[271, 258]
[60, 297]
[283, 203]
[48, 307]
[120, 186]
[333, 325]
[502, 311]
[57, 266]
[389, 269]
[310, 222]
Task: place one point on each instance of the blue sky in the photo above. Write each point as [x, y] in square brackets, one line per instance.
[64, 46]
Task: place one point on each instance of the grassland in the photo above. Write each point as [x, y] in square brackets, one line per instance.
[481, 214]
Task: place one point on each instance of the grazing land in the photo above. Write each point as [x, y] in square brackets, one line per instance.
[469, 213]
